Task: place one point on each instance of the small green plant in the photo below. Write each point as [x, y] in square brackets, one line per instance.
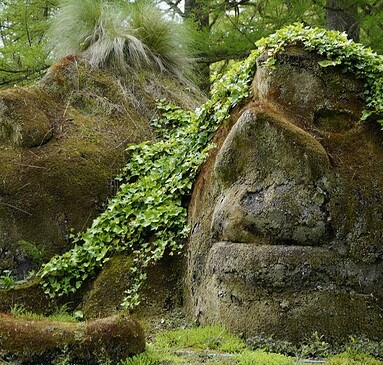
[63, 358]
[269, 344]
[315, 347]
[6, 280]
[18, 310]
[353, 358]
[365, 345]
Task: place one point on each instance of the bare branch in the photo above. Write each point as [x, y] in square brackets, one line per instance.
[174, 7]
[24, 71]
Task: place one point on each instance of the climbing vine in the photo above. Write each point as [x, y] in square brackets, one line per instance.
[148, 216]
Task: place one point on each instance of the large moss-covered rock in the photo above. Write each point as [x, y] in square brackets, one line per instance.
[286, 213]
[62, 142]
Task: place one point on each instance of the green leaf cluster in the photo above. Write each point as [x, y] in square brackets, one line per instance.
[337, 50]
[6, 280]
[148, 215]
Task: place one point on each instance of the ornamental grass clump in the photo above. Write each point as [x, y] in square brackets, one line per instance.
[121, 35]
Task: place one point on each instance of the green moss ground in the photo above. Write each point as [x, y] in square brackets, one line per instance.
[171, 340]
[214, 345]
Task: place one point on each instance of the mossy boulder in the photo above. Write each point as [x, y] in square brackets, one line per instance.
[286, 214]
[31, 296]
[161, 292]
[62, 142]
[42, 341]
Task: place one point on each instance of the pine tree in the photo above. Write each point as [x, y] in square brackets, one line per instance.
[23, 24]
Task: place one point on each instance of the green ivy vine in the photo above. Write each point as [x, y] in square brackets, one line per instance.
[337, 50]
[147, 216]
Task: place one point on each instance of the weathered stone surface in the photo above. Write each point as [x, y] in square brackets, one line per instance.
[326, 97]
[277, 197]
[41, 341]
[286, 213]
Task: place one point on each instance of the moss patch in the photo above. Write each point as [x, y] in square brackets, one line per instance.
[107, 291]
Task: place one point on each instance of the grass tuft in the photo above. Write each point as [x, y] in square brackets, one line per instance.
[264, 358]
[122, 35]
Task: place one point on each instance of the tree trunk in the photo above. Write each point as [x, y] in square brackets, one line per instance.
[198, 10]
[342, 15]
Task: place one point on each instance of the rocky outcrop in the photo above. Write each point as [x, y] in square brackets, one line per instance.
[286, 214]
[62, 142]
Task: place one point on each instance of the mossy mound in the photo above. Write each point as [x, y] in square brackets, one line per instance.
[106, 293]
[61, 144]
[161, 292]
[29, 294]
[30, 297]
[43, 341]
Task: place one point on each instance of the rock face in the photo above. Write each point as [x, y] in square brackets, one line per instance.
[286, 213]
[61, 144]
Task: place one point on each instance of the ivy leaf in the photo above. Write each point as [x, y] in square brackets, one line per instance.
[327, 63]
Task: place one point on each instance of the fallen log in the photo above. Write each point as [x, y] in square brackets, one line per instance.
[40, 341]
